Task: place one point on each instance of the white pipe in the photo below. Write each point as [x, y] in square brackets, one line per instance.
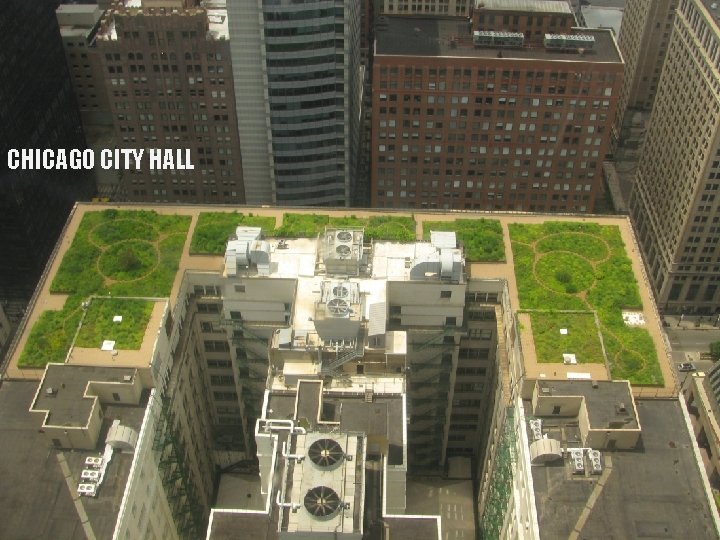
[284, 504]
[298, 457]
[285, 425]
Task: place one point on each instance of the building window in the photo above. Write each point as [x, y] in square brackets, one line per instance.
[445, 294]
[450, 321]
[556, 409]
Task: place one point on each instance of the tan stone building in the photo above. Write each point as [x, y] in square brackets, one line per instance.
[643, 42]
[160, 74]
[673, 203]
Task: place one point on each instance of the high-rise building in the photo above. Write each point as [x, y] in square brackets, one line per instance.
[160, 74]
[39, 110]
[298, 85]
[514, 113]
[174, 61]
[643, 41]
[674, 203]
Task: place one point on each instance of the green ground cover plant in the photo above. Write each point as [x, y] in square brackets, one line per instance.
[98, 323]
[389, 228]
[481, 238]
[213, 229]
[302, 225]
[116, 253]
[581, 339]
[583, 266]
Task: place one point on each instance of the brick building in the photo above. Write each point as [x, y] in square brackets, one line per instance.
[492, 119]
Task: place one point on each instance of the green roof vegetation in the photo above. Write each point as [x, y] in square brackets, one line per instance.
[213, 229]
[114, 252]
[302, 225]
[390, 228]
[98, 324]
[482, 239]
[583, 266]
[581, 339]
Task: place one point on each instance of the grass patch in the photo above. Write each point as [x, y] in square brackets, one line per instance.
[138, 257]
[582, 337]
[302, 225]
[51, 335]
[389, 228]
[580, 252]
[213, 229]
[98, 324]
[482, 239]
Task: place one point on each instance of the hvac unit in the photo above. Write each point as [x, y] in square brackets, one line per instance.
[577, 461]
[326, 453]
[595, 461]
[94, 462]
[87, 490]
[536, 428]
[322, 502]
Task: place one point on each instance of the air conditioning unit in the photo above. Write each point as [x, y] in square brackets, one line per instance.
[127, 378]
[87, 490]
[595, 461]
[93, 462]
[577, 461]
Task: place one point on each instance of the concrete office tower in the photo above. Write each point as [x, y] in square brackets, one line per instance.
[643, 41]
[674, 203]
[38, 110]
[498, 118]
[168, 75]
[78, 29]
[298, 85]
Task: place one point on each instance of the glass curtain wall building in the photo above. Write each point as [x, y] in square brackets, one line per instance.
[298, 98]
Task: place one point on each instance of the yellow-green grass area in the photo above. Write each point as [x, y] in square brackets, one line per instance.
[582, 337]
[120, 253]
[213, 229]
[584, 267]
[390, 228]
[482, 239]
[98, 324]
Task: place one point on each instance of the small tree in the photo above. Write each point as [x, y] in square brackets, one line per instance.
[128, 260]
[715, 350]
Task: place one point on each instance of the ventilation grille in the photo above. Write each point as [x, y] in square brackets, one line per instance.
[322, 501]
[325, 453]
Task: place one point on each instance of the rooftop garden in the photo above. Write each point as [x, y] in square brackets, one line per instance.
[301, 225]
[213, 229]
[482, 239]
[584, 267]
[98, 324]
[114, 253]
[580, 337]
[389, 228]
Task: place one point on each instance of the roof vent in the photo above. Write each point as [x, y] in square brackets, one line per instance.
[322, 501]
[325, 453]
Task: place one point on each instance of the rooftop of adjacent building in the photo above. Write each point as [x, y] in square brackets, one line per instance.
[66, 394]
[524, 6]
[40, 482]
[216, 10]
[606, 401]
[452, 37]
[648, 492]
